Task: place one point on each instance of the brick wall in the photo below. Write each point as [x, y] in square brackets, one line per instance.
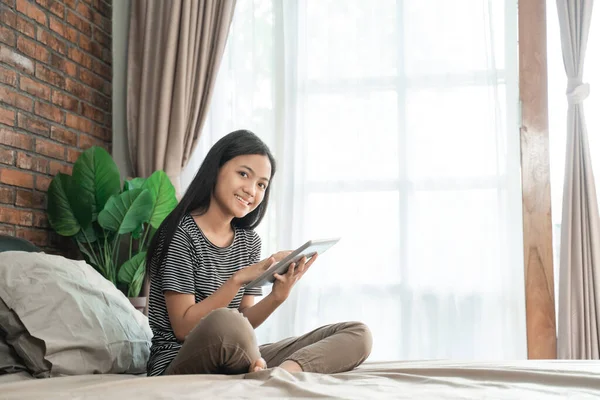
[55, 101]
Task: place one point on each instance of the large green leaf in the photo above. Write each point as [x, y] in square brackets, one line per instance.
[60, 214]
[124, 213]
[138, 232]
[81, 204]
[96, 173]
[132, 273]
[135, 287]
[135, 183]
[87, 235]
[90, 257]
[163, 196]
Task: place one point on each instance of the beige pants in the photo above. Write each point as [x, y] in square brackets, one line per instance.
[224, 342]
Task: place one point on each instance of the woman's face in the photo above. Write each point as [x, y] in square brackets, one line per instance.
[241, 184]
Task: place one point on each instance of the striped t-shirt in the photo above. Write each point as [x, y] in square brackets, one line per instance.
[193, 265]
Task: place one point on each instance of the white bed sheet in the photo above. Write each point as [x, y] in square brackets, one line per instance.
[399, 380]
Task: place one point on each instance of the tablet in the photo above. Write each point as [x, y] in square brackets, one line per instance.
[307, 250]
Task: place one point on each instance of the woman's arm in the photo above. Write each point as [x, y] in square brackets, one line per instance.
[185, 313]
[258, 313]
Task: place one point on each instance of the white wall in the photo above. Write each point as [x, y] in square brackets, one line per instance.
[120, 27]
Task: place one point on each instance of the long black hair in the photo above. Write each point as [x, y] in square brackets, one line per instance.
[199, 193]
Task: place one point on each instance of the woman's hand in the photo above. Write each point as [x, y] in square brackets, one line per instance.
[284, 283]
[251, 272]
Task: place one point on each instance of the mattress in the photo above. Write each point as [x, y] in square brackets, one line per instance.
[549, 379]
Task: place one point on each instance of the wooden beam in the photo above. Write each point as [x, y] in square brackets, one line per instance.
[535, 173]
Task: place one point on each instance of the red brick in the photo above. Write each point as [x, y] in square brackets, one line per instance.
[79, 90]
[25, 27]
[80, 57]
[57, 26]
[35, 236]
[73, 155]
[85, 142]
[33, 124]
[29, 199]
[56, 167]
[50, 149]
[102, 69]
[107, 88]
[15, 216]
[13, 139]
[63, 30]
[32, 49]
[11, 57]
[78, 123]
[40, 219]
[104, 9]
[7, 195]
[91, 79]
[102, 38]
[47, 75]
[34, 88]
[97, 50]
[79, 23]
[7, 36]
[51, 41]
[7, 117]
[63, 65]
[64, 136]
[32, 163]
[71, 3]
[107, 56]
[92, 113]
[84, 11]
[15, 99]
[7, 156]
[8, 77]
[8, 17]
[102, 133]
[10, 3]
[65, 101]
[103, 23]
[54, 6]
[42, 183]
[50, 112]
[85, 43]
[16, 178]
[7, 229]
[32, 11]
[100, 101]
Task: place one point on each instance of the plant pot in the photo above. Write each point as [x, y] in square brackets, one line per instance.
[139, 303]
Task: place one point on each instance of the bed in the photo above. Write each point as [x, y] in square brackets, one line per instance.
[435, 379]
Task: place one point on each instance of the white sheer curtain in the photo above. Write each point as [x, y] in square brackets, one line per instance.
[395, 127]
[557, 107]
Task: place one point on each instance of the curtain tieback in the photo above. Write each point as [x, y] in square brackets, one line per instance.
[577, 92]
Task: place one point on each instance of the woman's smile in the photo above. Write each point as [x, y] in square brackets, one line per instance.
[242, 201]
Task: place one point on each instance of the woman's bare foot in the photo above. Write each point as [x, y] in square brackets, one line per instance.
[291, 366]
[258, 365]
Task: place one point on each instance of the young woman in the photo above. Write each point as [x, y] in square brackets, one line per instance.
[205, 251]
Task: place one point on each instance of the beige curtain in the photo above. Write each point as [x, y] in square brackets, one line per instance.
[175, 48]
[579, 286]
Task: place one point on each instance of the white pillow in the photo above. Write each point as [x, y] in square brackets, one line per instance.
[85, 323]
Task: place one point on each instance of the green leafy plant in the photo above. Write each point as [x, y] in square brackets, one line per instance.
[92, 208]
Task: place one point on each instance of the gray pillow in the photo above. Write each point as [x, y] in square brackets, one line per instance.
[30, 350]
[63, 318]
[10, 362]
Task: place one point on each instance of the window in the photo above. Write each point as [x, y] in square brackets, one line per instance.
[395, 126]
